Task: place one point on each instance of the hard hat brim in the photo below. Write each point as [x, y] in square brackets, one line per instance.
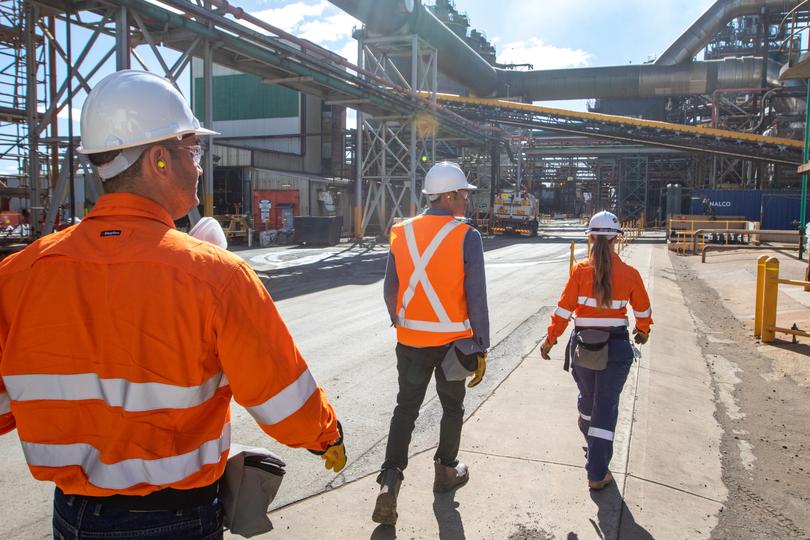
[468, 186]
[198, 131]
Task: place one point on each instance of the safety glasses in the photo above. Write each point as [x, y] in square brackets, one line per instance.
[196, 152]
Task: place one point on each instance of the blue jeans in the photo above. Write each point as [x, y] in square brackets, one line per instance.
[75, 518]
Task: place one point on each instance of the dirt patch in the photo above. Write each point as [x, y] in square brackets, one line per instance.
[765, 419]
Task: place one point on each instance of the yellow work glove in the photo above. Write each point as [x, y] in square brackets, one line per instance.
[545, 348]
[640, 337]
[335, 454]
[478, 374]
[335, 457]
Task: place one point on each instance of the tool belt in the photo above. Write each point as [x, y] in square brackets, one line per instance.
[590, 348]
[168, 499]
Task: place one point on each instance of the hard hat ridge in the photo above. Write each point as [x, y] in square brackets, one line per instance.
[444, 177]
[604, 224]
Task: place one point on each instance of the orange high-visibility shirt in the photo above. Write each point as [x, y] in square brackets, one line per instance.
[577, 300]
[122, 341]
[431, 302]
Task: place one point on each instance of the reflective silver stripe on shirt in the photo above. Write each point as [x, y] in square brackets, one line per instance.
[5, 404]
[594, 303]
[584, 321]
[564, 313]
[642, 314]
[130, 396]
[600, 433]
[431, 326]
[420, 262]
[129, 472]
[286, 402]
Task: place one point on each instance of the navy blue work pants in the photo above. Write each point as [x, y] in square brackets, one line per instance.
[598, 405]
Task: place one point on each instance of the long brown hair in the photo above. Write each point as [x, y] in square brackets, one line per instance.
[602, 261]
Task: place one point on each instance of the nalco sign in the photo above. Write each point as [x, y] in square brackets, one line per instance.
[720, 204]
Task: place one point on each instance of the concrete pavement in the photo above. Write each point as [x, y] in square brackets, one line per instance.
[526, 454]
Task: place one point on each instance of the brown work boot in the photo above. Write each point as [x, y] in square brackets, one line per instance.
[385, 511]
[596, 485]
[448, 478]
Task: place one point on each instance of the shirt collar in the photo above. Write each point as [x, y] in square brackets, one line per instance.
[129, 204]
[431, 211]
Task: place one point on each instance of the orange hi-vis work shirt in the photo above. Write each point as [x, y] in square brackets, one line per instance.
[122, 341]
[578, 301]
[431, 302]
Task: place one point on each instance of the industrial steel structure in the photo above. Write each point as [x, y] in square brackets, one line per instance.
[726, 120]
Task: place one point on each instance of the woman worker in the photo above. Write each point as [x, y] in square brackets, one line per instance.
[596, 296]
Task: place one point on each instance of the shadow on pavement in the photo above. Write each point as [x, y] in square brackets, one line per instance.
[351, 266]
[798, 348]
[615, 517]
[384, 532]
[445, 508]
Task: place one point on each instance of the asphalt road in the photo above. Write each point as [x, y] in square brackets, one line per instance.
[332, 302]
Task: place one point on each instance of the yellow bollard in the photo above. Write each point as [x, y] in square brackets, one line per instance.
[571, 264]
[758, 303]
[770, 292]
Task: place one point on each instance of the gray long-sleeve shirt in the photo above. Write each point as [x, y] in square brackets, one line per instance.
[475, 283]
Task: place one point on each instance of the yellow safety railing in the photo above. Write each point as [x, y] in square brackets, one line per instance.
[766, 301]
[684, 234]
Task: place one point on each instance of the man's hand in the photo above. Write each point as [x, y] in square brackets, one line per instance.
[545, 348]
[480, 370]
[640, 337]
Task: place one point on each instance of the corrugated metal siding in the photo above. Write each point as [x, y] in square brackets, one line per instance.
[243, 97]
[775, 210]
[233, 157]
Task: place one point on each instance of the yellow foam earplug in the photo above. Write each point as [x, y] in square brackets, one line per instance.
[161, 164]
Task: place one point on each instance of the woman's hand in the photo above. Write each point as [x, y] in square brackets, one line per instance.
[545, 348]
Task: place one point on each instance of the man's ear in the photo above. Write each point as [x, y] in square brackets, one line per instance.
[156, 160]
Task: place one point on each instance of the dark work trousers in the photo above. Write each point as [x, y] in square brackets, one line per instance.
[415, 366]
[598, 402]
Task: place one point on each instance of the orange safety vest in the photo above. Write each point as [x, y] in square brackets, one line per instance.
[122, 341]
[431, 303]
[577, 300]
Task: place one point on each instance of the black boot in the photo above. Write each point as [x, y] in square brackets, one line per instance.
[385, 511]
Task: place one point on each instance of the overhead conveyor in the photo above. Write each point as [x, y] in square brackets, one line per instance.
[274, 56]
[628, 129]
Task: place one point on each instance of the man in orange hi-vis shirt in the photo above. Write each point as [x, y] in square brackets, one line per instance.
[122, 340]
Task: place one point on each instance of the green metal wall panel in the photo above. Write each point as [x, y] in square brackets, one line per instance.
[244, 97]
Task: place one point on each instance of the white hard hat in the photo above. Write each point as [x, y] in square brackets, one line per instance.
[445, 177]
[604, 224]
[132, 108]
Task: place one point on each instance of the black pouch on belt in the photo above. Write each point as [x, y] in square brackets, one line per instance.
[591, 349]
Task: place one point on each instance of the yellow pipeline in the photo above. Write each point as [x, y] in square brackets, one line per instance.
[760, 288]
[621, 120]
[769, 297]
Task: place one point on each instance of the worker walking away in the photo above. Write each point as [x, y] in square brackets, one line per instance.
[435, 291]
[120, 392]
[596, 296]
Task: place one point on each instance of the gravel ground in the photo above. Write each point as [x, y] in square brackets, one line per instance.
[765, 416]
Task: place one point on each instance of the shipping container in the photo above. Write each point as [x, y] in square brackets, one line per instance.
[774, 209]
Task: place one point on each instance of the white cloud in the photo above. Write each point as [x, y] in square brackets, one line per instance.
[333, 28]
[291, 16]
[541, 55]
[77, 113]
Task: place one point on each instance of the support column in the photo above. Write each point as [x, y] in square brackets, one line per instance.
[122, 40]
[208, 97]
[31, 16]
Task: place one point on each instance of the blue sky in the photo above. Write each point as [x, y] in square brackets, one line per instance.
[545, 33]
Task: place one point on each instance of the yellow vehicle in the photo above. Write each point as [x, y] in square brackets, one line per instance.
[515, 212]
